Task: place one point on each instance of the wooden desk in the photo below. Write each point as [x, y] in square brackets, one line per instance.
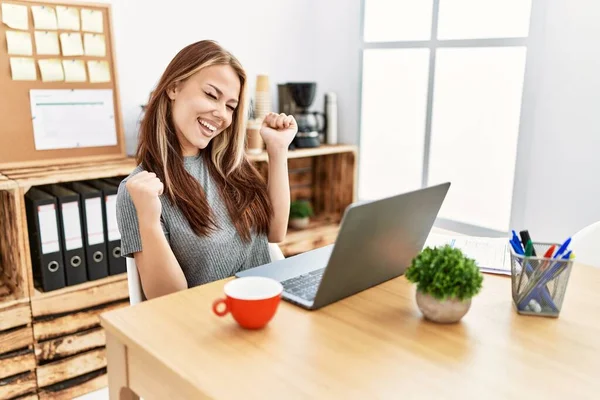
[370, 346]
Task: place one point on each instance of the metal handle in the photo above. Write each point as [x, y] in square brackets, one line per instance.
[75, 261]
[53, 266]
[116, 252]
[98, 256]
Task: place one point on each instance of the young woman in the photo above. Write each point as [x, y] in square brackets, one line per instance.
[195, 210]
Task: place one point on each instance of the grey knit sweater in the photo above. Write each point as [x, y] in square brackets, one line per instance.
[202, 259]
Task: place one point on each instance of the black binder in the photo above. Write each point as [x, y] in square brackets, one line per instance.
[44, 242]
[116, 263]
[93, 229]
[71, 233]
[113, 181]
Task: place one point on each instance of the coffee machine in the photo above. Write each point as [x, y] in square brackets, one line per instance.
[295, 99]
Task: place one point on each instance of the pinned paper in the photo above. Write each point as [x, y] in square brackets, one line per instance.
[52, 70]
[99, 71]
[23, 69]
[19, 43]
[91, 21]
[74, 71]
[46, 43]
[94, 45]
[44, 17]
[71, 44]
[68, 18]
[15, 16]
[75, 118]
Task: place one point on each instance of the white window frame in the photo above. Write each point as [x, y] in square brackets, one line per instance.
[433, 44]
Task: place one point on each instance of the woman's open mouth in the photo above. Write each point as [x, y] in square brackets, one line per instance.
[207, 128]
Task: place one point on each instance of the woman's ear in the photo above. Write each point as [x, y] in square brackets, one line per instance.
[173, 90]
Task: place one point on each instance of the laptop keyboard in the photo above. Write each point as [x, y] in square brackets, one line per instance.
[304, 286]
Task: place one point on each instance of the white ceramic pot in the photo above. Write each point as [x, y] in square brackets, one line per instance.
[299, 223]
[443, 312]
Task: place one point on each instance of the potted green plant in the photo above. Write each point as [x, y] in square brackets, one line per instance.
[446, 281]
[300, 213]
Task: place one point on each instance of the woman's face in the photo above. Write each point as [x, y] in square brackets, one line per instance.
[203, 106]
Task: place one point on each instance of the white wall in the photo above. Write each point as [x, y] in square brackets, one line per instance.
[558, 191]
[338, 44]
[289, 40]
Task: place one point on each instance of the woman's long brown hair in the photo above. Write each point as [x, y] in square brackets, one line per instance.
[240, 185]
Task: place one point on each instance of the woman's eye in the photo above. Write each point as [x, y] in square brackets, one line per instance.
[211, 96]
[231, 108]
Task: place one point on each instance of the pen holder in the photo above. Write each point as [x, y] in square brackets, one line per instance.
[539, 284]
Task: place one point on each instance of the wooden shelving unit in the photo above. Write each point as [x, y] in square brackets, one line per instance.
[326, 176]
[17, 359]
[54, 343]
[310, 152]
[51, 344]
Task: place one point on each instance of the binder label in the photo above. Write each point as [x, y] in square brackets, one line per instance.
[48, 229]
[93, 218]
[72, 225]
[111, 218]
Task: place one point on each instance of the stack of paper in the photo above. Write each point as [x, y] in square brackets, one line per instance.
[491, 254]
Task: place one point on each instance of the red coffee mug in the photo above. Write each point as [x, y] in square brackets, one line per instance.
[252, 301]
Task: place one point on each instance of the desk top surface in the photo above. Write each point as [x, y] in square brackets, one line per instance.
[376, 344]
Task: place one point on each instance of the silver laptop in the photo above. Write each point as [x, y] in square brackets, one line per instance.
[376, 242]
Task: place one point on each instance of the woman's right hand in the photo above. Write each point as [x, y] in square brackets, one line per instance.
[144, 189]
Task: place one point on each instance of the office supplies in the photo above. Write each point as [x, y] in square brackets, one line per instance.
[15, 16]
[112, 236]
[92, 21]
[376, 242]
[525, 239]
[19, 43]
[74, 70]
[44, 17]
[517, 242]
[529, 249]
[17, 142]
[22, 69]
[94, 45]
[93, 229]
[44, 243]
[562, 248]
[491, 254]
[68, 18]
[529, 269]
[514, 246]
[52, 70]
[62, 118]
[46, 43]
[98, 71]
[71, 44]
[114, 181]
[550, 277]
[71, 233]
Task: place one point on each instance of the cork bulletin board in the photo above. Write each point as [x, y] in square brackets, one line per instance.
[18, 144]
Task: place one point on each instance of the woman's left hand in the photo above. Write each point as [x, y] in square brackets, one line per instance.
[278, 131]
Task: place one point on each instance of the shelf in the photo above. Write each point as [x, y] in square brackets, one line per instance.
[310, 152]
[6, 184]
[80, 297]
[82, 286]
[321, 231]
[6, 293]
[33, 176]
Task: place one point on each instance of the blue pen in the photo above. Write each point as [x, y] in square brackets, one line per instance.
[517, 242]
[560, 267]
[516, 248]
[548, 276]
[537, 291]
[562, 248]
